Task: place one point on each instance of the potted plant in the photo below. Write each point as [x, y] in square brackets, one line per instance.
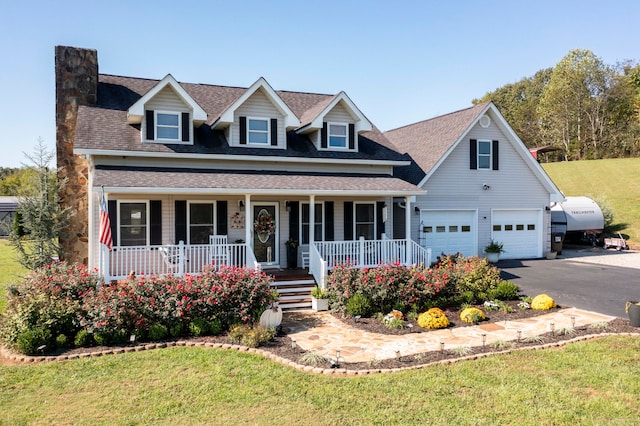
[319, 299]
[633, 309]
[493, 250]
[292, 253]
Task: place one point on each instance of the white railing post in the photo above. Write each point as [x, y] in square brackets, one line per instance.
[361, 250]
[181, 259]
[409, 254]
[107, 270]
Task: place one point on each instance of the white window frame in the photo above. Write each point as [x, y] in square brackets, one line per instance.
[147, 220]
[214, 221]
[355, 222]
[346, 135]
[179, 126]
[479, 155]
[316, 237]
[268, 131]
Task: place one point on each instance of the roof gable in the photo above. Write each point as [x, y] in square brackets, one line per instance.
[314, 117]
[226, 117]
[136, 111]
[430, 142]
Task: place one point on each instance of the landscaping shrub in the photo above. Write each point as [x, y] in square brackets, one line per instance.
[29, 340]
[251, 336]
[157, 332]
[215, 327]
[475, 275]
[82, 339]
[472, 315]
[176, 329]
[505, 290]
[434, 318]
[62, 341]
[359, 304]
[102, 338]
[199, 327]
[542, 302]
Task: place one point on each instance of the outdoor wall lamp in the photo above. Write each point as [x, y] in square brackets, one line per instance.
[241, 205]
[486, 187]
[416, 209]
[287, 205]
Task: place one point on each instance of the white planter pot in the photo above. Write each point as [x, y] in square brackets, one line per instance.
[493, 257]
[319, 304]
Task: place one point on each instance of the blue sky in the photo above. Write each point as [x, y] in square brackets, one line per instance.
[399, 61]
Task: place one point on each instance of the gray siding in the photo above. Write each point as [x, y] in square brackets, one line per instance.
[259, 106]
[514, 186]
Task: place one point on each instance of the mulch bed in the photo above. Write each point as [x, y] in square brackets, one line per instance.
[282, 346]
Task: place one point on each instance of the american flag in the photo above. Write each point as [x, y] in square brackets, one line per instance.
[105, 224]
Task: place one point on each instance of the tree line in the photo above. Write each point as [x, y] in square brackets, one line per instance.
[584, 107]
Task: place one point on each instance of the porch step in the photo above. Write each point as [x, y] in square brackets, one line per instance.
[294, 293]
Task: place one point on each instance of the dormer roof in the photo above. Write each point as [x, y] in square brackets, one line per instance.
[136, 111]
[226, 117]
[314, 117]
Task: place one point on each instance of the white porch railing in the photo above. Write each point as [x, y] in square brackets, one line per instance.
[325, 255]
[177, 259]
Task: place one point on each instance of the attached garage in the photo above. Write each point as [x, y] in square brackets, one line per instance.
[520, 231]
[449, 231]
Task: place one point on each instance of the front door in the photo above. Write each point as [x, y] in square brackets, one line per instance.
[265, 233]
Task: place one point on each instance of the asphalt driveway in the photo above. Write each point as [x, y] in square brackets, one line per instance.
[600, 282]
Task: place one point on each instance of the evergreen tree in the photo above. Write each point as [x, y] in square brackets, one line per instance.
[40, 215]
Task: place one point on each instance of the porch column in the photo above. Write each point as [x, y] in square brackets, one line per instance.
[407, 227]
[247, 219]
[312, 218]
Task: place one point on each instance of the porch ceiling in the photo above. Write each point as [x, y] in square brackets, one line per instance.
[116, 179]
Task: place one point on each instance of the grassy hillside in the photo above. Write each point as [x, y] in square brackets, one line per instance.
[11, 271]
[615, 182]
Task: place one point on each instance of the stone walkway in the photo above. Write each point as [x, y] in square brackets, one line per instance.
[322, 333]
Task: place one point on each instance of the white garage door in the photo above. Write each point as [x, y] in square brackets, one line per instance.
[519, 231]
[449, 231]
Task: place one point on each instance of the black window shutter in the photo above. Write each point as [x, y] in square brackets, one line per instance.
[323, 136]
[348, 220]
[473, 154]
[379, 222]
[181, 221]
[274, 131]
[155, 216]
[294, 220]
[186, 127]
[151, 125]
[243, 130]
[352, 136]
[221, 218]
[494, 154]
[112, 205]
[328, 220]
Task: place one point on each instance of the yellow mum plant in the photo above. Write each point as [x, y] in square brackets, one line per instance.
[472, 315]
[542, 302]
[433, 318]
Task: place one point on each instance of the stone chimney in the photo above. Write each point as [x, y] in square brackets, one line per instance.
[76, 84]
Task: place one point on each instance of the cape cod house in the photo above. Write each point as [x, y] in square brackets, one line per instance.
[199, 175]
[481, 184]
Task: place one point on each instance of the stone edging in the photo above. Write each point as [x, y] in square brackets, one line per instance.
[335, 372]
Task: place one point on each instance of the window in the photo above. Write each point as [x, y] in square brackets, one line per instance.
[337, 135]
[168, 126]
[365, 220]
[201, 223]
[258, 131]
[318, 230]
[484, 155]
[133, 220]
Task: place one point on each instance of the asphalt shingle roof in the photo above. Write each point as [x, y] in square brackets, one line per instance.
[223, 180]
[104, 126]
[427, 141]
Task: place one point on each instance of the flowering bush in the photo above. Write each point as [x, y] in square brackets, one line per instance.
[542, 302]
[394, 319]
[386, 286]
[50, 298]
[472, 315]
[433, 318]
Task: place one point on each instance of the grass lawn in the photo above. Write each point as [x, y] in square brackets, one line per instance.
[615, 181]
[10, 270]
[584, 383]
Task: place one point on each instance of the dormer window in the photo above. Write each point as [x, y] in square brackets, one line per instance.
[258, 131]
[168, 126]
[337, 135]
